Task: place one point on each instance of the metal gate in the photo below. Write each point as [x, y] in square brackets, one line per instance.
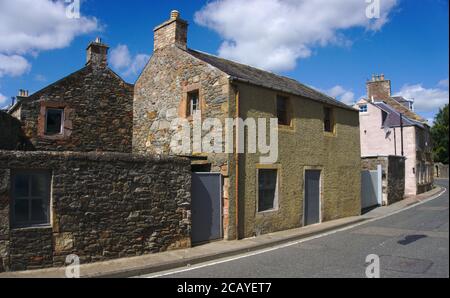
[206, 207]
[312, 197]
[371, 188]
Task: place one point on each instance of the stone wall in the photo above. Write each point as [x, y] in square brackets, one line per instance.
[11, 134]
[160, 96]
[441, 171]
[103, 206]
[393, 176]
[98, 112]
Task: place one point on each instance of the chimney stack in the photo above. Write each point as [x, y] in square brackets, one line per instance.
[97, 53]
[378, 88]
[173, 32]
[23, 93]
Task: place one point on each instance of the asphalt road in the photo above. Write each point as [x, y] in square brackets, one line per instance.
[412, 243]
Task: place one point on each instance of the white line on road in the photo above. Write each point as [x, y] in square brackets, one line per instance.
[242, 256]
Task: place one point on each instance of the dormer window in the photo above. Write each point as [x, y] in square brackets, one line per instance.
[54, 119]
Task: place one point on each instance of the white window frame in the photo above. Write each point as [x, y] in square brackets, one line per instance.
[366, 108]
[194, 107]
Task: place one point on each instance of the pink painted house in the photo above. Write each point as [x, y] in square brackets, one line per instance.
[389, 126]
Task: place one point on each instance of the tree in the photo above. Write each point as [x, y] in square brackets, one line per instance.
[439, 133]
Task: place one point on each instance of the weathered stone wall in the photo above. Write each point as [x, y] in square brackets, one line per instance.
[98, 107]
[103, 206]
[393, 176]
[160, 96]
[441, 171]
[11, 134]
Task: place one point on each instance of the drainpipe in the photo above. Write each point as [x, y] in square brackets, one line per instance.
[236, 161]
[395, 141]
[401, 131]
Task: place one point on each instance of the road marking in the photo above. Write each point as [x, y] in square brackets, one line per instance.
[259, 252]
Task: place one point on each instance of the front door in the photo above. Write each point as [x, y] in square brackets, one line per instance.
[312, 197]
[206, 207]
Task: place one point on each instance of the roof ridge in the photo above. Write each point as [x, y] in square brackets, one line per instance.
[280, 82]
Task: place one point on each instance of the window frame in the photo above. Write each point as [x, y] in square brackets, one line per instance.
[46, 198]
[332, 121]
[276, 199]
[287, 112]
[61, 131]
[190, 103]
[365, 110]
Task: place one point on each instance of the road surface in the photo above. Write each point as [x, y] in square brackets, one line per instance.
[412, 243]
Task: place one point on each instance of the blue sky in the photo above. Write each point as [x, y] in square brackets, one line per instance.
[330, 45]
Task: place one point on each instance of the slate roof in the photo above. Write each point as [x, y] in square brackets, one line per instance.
[402, 109]
[393, 119]
[258, 77]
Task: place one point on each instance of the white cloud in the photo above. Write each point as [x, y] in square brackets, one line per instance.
[341, 94]
[13, 65]
[120, 57]
[122, 60]
[443, 83]
[32, 26]
[274, 34]
[426, 99]
[3, 100]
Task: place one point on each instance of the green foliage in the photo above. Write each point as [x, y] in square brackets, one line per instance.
[439, 133]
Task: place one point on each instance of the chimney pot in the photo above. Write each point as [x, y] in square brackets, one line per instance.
[174, 14]
[173, 32]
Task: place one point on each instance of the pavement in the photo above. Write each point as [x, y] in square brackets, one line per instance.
[220, 254]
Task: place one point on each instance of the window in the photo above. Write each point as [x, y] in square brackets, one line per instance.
[328, 120]
[31, 198]
[363, 108]
[282, 111]
[267, 189]
[193, 102]
[54, 122]
[384, 116]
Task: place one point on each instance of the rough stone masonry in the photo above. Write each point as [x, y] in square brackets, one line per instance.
[102, 206]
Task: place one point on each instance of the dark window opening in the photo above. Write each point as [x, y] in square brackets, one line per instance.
[282, 111]
[201, 168]
[54, 121]
[193, 102]
[328, 120]
[267, 189]
[31, 198]
[383, 117]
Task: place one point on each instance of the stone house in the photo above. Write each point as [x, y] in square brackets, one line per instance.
[317, 175]
[89, 110]
[389, 126]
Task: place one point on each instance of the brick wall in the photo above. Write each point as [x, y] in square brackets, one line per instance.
[103, 206]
